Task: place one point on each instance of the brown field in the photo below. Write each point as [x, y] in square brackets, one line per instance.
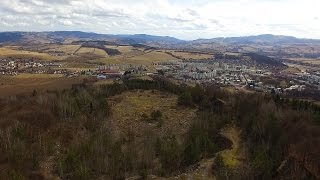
[143, 59]
[128, 108]
[133, 53]
[122, 49]
[292, 70]
[95, 51]
[69, 49]
[301, 48]
[85, 50]
[232, 53]
[104, 82]
[189, 55]
[151, 57]
[307, 60]
[26, 83]
[8, 52]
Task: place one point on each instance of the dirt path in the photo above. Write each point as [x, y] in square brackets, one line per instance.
[232, 157]
[204, 170]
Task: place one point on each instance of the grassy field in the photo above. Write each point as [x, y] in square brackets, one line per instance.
[128, 108]
[141, 59]
[151, 57]
[7, 52]
[69, 49]
[122, 49]
[104, 82]
[189, 55]
[26, 83]
[292, 70]
[306, 60]
[95, 51]
[76, 58]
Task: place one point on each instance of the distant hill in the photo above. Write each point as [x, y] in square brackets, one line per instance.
[10, 37]
[265, 39]
[150, 40]
[61, 36]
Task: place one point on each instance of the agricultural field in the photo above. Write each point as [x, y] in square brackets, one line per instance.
[95, 51]
[27, 83]
[69, 49]
[306, 60]
[292, 70]
[9, 52]
[149, 58]
[190, 55]
[139, 58]
[133, 53]
[122, 49]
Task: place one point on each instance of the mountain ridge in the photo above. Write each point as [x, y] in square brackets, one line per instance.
[60, 36]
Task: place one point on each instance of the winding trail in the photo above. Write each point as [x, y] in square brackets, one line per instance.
[232, 157]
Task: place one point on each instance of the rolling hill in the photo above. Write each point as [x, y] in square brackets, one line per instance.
[61, 36]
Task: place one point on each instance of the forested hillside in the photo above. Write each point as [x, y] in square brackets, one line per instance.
[69, 134]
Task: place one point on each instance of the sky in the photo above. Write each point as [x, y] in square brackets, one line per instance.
[183, 19]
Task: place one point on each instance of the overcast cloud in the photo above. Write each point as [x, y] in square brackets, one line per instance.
[184, 19]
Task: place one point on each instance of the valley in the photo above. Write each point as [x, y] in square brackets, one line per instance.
[129, 109]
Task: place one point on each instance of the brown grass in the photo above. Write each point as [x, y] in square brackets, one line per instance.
[7, 52]
[232, 158]
[190, 55]
[26, 83]
[70, 49]
[127, 110]
[306, 60]
[122, 49]
[151, 57]
[291, 70]
[137, 58]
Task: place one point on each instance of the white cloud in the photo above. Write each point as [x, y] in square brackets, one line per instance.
[186, 19]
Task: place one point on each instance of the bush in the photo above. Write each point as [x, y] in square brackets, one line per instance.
[155, 116]
[185, 99]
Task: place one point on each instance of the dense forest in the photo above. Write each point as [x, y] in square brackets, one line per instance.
[282, 135]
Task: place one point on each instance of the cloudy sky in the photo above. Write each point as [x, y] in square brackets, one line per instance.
[184, 19]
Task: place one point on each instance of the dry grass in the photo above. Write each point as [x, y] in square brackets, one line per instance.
[141, 58]
[104, 82]
[84, 50]
[69, 49]
[291, 70]
[133, 53]
[7, 52]
[128, 108]
[190, 55]
[95, 51]
[149, 58]
[232, 53]
[26, 83]
[306, 60]
[233, 157]
[122, 49]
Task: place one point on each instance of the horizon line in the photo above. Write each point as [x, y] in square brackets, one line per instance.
[217, 37]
